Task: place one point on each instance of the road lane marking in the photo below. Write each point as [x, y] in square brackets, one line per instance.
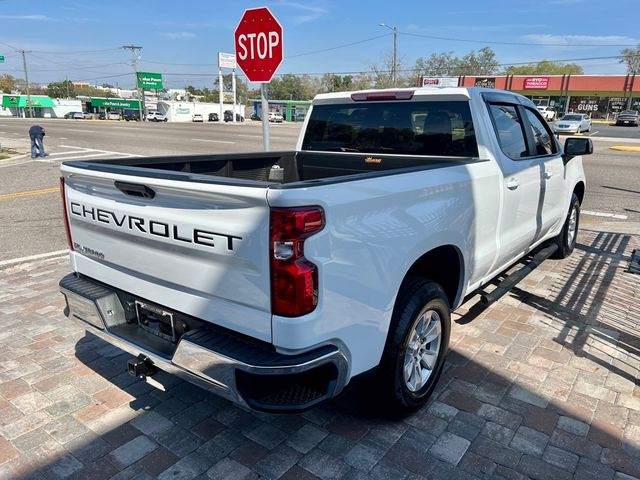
[604, 214]
[624, 148]
[30, 193]
[593, 133]
[79, 130]
[103, 151]
[39, 256]
[212, 141]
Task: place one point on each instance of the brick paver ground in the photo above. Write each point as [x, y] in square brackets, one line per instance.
[542, 385]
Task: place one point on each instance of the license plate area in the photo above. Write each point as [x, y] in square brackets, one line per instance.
[156, 320]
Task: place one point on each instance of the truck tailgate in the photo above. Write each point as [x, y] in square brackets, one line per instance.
[199, 248]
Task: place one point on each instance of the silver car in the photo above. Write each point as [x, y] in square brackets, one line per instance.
[573, 123]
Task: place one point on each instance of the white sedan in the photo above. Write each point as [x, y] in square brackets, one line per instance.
[573, 123]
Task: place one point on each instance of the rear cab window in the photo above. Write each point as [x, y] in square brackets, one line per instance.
[433, 128]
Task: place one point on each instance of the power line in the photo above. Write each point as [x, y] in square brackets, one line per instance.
[338, 46]
[530, 44]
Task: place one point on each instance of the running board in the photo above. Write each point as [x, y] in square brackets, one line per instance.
[512, 280]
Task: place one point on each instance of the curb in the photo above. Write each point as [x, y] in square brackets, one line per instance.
[625, 148]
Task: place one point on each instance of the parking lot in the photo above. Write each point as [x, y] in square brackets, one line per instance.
[543, 384]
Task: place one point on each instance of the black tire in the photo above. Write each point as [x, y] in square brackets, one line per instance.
[416, 297]
[566, 242]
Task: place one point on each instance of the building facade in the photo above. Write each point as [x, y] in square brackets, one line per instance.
[600, 96]
[291, 110]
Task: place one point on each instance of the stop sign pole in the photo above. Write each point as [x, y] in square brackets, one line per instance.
[258, 40]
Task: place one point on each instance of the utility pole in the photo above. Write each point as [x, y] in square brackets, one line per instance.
[26, 78]
[394, 70]
[134, 64]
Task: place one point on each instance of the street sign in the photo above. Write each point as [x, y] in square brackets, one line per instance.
[1, 58]
[150, 80]
[258, 40]
[226, 60]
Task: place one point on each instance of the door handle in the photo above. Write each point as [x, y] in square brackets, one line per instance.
[548, 175]
[513, 184]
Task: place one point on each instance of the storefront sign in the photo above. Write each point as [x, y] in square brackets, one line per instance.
[439, 81]
[486, 82]
[226, 60]
[150, 80]
[536, 83]
[20, 101]
[183, 111]
[114, 103]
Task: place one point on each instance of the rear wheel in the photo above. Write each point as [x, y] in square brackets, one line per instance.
[566, 241]
[416, 345]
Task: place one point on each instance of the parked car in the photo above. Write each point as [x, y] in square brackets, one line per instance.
[197, 117]
[548, 113]
[255, 116]
[213, 117]
[228, 116]
[132, 115]
[88, 115]
[628, 117]
[114, 116]
[155, 116]
[573, 123]
[276, 117]
[274, 278]
[74, 115]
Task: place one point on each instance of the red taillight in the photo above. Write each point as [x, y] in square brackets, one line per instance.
[294, 279]
[384, 95]
[63, 194]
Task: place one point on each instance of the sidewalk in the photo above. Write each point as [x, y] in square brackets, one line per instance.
[542, 385]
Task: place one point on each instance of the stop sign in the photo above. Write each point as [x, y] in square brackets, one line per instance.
[258, 40]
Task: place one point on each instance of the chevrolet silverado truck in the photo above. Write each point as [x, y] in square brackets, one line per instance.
[275, 278]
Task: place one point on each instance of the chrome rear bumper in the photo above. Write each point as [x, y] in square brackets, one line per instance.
[210, 360]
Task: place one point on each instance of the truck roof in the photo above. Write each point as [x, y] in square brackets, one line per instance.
[418, 93]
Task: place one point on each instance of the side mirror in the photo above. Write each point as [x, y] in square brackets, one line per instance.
[578, 146]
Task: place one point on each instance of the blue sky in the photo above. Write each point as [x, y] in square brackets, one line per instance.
[181, 39]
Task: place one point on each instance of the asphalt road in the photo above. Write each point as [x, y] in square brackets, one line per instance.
[31, 216]
[604, 130]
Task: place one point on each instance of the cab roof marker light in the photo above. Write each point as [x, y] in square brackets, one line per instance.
[386, 95]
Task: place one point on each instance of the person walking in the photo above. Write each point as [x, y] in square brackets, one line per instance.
[36, 134]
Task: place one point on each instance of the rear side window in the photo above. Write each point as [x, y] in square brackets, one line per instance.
[409, 128]
[509, 128]
[544, 143]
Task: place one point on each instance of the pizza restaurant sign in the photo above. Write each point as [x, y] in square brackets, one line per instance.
[536, 83]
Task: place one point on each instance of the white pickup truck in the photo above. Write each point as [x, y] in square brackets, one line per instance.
[273, 279]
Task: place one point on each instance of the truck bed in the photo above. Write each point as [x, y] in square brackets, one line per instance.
[269, 168]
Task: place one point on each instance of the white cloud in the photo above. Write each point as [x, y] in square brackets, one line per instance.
[38, 18]
[178, 35]
[308, 13]
[548, 39]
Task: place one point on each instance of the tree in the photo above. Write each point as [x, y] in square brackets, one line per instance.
[447, 64]
[382, 74]
[7, 83]
[482, 63]
[64, 89]
[437, 65]
[292, 87]
[546, 67]
[631, 56]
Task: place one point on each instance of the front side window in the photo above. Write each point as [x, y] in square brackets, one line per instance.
[544, 143]
[408, 128]
[508, 126]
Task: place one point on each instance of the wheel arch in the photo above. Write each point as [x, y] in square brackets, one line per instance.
[444, 265]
